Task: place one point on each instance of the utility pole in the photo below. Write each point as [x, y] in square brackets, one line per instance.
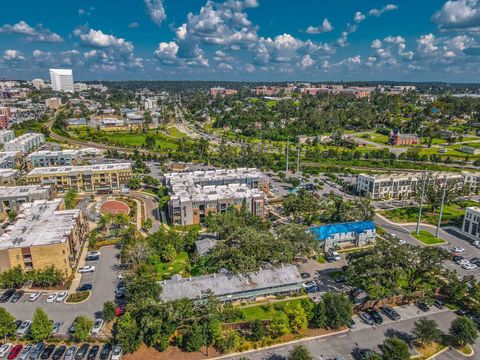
[441, 209]
[422, 194]
[287, 156]
[298, 159]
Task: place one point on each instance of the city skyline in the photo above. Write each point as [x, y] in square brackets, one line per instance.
[244, 40]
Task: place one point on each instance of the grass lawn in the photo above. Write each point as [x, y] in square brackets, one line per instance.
[427, 351]
[378, 138]
[336, 274]
[78, 297]
[181, 265]
[266, 311]
[174, 132]
[427, 238]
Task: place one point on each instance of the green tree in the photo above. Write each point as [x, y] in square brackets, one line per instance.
[395, 349]
[126, 332]
[7, 323]
[464, 330]
[70, 199]
[134, 183]
[194, 339]
[213, 331]
[82, 328]
[279, 325]
[143, 289]
[426, 331]
[108, 311]
[319, 318]
[12, 278]
[41, 327]
[338, 309]
[257, 330]
[299, 352]
[147, 224]
[298, 318]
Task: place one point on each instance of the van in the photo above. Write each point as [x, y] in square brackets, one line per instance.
[333, 255]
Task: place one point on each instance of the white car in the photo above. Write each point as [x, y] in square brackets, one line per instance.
[5, 349]
[56, 327]
[51, 298]
[94, 253]
[34, 296]
[23, 328]
[86, 269]
[469, 266]
[463, 262]
[61, 296]
[97, 326]
[476, 243]
[401, 242]
[457, 249]
[117, 352]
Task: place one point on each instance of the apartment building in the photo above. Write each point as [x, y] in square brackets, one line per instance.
[10, 159]
[471, 222]
[25, 143]
[53, 103]
[6, 136]
[222, 91]
[399, 186]
[43, 235]
[12, 197]
[99, 178]
[403, 139]
[62, 80]
[9, 176]
[196, 194]
[332, 236]
[53, 158]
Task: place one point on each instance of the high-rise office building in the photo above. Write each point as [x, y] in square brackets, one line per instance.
[62, 80]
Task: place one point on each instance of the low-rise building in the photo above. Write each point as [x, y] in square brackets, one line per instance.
[12, 197]
[25, 143]
[10, 159]
[403, 139]
[222, 91]
[471, 222]
[6, 136]
[43, 235]
[53, 158]
[229, 287]
[9, 176]
[100, 178]
[470, 150]
[343, 235]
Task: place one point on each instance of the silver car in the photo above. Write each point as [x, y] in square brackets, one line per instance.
[25, 351]
[23, 328]
[70, 354]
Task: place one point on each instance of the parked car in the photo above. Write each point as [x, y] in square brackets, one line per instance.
[457, 249]
[47, 352]
[469, 266]
[25, 351]
[390, 313]
[51, 298]
[14, 352]
[352, 324]
[57, 354]
[97, 326]
[463, 312]
[120, 294]
[82, 351]
[23, 329]
[363, 354]
[6, 296]
[457, 258]
[105, 353]
[56, 327]
[36, 351]
[117, 352]
[332, 256]
[376, 316]
[62, 296]
[5, 349]
[366, 318]
[476, 243]
[70, 353]
[17, 296]
[85, 287]
[461, 262]
[92, 354]
[438, 303]
[34, 296]
[305, 275]
[120, 310]
[423, 306]
[94, 253]
[86, 269]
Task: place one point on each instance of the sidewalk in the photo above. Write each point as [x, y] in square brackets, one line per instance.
[81, 262]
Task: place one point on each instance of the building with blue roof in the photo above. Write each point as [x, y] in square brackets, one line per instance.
[342, 235]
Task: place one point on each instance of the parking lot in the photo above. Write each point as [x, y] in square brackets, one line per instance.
[103, 280]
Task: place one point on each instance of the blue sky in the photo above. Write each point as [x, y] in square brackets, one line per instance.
[312, 40]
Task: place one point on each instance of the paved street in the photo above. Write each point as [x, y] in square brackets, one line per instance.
[363, 336]
[104, 281]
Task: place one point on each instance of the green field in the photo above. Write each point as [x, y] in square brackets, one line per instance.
[266, 311]
[427, 238]
[181, 265]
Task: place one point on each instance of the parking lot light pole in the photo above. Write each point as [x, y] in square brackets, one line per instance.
[422, 194]
[441, 210]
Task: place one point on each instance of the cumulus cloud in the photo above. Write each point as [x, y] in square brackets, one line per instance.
[459, 15]
[38, 33]
[12, 55]
[97, 38]
[42, 56]
[386, 8]
[306, 62]
[133, 25]
[156, 10]
[325, 27]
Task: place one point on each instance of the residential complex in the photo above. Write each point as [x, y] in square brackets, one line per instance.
[53, 158]
[403, 139]
[196, 194]
[11, 197]
[62, 80]
[10, 159]
[38, 84]
[101, 177]
[9, 176]
[53, 103]
[6, 136]
[43, 235]
[229, 287]
[343, 235]
[471, 222]
[222, 91]
[25, 143]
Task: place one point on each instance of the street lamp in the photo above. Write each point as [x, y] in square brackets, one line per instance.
[422, 194]
[441, 208]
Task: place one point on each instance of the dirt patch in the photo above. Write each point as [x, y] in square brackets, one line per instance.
[114, 207]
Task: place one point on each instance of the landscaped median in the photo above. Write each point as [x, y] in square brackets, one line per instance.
[78, 297]
[427, 238]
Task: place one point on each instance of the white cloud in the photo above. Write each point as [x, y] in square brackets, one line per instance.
[133, 25]
[167, 50]
[359, 17]
[32, 34]
[325, 27]
[97, 38]
[42, 56]
[13, 55]
[306, 62]
[386, 8]
[156, 10]
[459, 15]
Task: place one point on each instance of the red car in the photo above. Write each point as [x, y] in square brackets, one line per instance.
[14, 352]
[119, 311]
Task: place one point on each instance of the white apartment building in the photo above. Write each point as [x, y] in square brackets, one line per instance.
[25, 143]
[10, 159]
[38, 84]
[471, 222]
[44, 158]
[62, 80]
[398, 186]
[6, 136]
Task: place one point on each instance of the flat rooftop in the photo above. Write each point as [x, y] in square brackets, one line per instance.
[404, 175]
[67, 169]
[200, 193]
[54, 153]
[20, 191]
[8, 172]
[214, 175]
[39, 223]
[25, 137]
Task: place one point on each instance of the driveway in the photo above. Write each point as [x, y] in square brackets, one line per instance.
[104, 281]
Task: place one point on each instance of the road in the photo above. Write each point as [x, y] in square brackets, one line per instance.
[363, 336]
[104, 281]
[151, 209]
